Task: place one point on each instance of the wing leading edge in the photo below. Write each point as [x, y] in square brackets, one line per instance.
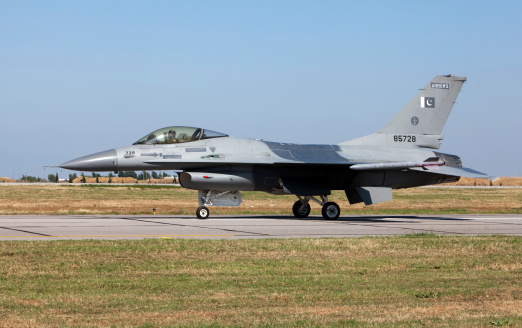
[453, 171]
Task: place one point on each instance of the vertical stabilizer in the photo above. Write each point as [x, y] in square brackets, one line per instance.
[420, 122]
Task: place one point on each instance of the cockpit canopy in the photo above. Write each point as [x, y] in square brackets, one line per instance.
[178, 134]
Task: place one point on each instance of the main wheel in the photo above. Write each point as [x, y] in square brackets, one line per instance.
[331, 211]
[202, 212]
[301, 210]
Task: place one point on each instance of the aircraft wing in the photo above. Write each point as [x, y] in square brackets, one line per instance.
[430, 165]
[454, 171]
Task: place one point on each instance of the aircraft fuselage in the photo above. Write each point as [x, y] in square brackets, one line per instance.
[264, 163]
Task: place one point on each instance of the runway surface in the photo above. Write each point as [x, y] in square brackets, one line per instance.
[50, 227]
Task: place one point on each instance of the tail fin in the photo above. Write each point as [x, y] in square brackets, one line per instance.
[420, 122]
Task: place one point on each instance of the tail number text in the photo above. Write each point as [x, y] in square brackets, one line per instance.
[404, 138]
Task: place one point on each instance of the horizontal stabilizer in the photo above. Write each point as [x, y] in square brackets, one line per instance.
[454, 171]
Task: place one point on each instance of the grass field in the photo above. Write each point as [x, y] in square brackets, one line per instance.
[411, 281]
[141, 199]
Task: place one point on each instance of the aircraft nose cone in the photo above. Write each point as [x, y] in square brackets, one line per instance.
[102, 161]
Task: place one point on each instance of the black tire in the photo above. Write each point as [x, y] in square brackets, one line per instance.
[300, 210]
[331, 211]
[202, 212]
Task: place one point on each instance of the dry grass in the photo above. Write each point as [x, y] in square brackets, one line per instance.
[411, 281]
[448, 200]
[507, 181]
[137, 199]
[501, 181]
[471, 182]
[6, 180]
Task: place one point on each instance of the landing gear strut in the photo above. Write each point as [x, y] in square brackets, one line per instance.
[330, 210]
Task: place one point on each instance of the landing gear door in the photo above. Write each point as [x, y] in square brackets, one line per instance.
[219, 198]
[305, 187]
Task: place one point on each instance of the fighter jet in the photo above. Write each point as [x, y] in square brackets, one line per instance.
[400, 155]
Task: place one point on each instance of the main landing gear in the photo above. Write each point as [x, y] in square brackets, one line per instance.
[330, 210]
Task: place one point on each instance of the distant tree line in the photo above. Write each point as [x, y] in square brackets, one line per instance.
[72, 177]
[143, 175]
[28, 178]
[127, 174]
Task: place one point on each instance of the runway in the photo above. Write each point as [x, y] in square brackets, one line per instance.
[62, 227]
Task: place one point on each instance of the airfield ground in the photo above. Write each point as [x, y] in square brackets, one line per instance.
[142, 199]
[419, 280]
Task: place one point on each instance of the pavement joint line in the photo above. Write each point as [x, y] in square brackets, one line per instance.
[117, 236]
[25, 231]
[196, 226]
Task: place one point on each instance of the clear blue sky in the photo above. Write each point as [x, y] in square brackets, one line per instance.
[81, 77]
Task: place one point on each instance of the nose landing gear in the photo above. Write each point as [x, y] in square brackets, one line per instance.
[202, 212]
[216, 198]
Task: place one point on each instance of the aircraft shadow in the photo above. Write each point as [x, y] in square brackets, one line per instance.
[346, 219]
[366, 218]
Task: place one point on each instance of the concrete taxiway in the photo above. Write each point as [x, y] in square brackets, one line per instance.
[48, 227]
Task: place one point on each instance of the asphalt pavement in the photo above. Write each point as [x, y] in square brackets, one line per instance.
[59, 227]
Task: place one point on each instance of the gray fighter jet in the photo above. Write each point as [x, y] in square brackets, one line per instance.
[400, 155]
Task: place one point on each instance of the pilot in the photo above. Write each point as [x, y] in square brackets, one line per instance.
[171, 137]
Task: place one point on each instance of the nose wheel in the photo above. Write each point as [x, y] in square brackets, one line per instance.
[202, 212]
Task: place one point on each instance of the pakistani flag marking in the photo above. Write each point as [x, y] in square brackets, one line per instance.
[428, 102]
